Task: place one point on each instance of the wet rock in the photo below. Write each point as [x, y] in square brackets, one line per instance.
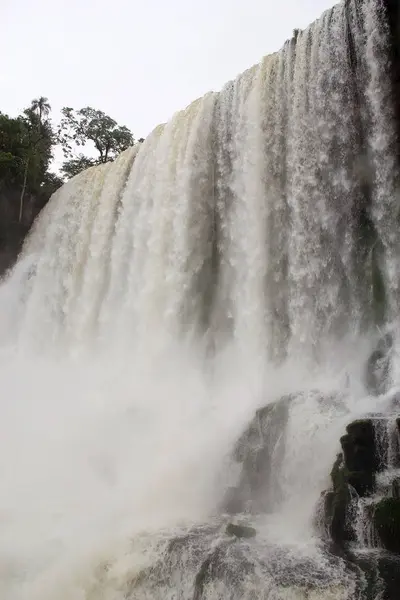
[363, 482]
[378, 575]
[240, 531]
[353, 476]
[388, 569]
[359, 448]
[377, 374]
[337, 505]
[361, 459]
[365, 453]
[260, 451]
[396, 488]
[386, 520]
[258, 431]
[224, 564]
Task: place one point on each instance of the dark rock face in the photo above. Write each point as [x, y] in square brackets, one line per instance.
[353, 476]
[337, 505]
[396, 488]
[365, 454]
[13, 232]
[359, 450]
[386, 519]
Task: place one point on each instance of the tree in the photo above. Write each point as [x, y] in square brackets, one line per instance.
[26, 144]
[26, 182]
[50, 184]
[13, 135]
[38, 146]
[87, 125]
[41, 107]
[73, 166]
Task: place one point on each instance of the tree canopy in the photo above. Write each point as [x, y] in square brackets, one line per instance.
[26, 152]
[89, 126]
[87, 137]
[27, 144]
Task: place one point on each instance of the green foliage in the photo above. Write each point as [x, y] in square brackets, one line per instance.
[50, 184]
[73, 166]
[26, 152]
[26, 144]
[41, 107]
[85, 126]
[13, 146]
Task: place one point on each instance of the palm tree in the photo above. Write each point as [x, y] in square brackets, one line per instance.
[41, 107]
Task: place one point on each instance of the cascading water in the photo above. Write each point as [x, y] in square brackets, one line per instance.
[248, 249]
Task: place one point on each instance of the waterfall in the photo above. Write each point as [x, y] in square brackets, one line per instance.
[247, 249]
[265, 213]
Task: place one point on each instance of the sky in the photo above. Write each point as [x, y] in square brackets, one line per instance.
[137, 60]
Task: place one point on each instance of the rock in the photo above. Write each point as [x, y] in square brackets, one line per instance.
[361, 457]
[262, 441]
[396, 488]
[353, 476]
[365, 453]
[337, 503]
[378, 575]
[240, 531]
[359, 446]
[363, 482]
[377, 374]
[386, 520]
[224, 566]
[260, 451]
[258, 431]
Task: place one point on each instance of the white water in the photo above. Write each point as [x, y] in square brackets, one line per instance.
[146, 318]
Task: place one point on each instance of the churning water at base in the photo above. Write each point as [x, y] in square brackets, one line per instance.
[105, 462]
[248, 249]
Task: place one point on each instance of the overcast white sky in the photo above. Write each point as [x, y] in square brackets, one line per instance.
[137, 60]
